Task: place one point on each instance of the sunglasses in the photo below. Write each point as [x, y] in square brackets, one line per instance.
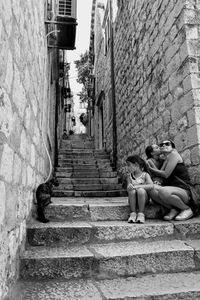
[165, 144]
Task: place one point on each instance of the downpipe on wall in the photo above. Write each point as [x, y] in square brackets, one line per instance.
[113, 88]
[43, 140]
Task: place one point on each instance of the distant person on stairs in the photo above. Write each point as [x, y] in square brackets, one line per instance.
[138, 184]
[175, 192]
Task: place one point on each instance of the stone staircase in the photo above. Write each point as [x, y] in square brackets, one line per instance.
[89, 251]
[85, 172]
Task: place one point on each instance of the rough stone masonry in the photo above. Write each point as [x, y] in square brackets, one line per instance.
[23, 159]
[156, 56]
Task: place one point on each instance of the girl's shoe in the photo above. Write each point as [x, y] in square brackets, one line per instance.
[132, 218]
[171, 215]
[140, 218]
[184, 215]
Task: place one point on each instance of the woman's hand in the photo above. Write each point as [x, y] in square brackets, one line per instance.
[169, 165]
[130, 187]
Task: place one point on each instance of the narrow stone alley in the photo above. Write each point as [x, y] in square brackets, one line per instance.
[89, 251]
[140, 80]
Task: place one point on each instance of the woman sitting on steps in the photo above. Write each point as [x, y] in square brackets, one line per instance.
[175, 194]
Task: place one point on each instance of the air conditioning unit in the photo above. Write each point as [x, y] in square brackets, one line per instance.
[65, 21]
[66, 8]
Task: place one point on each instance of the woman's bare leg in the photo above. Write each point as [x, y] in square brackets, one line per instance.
[142, 199]
[132, 200]
[174, 197]
[154, 194]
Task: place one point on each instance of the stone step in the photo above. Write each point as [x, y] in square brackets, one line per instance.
[89, 187]
[86, 166]
[84, 157]
[83, 160]
[85, 163]
[80, 159]
[80, 232]
[95, 209]
[76, 165]
[64, 171]
[81, 174]
[87, 180]
[77, 145]
[177, 286]
[72, 193]
[77, 155]
[82, 151]
[107, 261]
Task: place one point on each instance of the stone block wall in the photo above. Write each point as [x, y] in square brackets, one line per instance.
[156, 52]
[24, 115]
[103, 80]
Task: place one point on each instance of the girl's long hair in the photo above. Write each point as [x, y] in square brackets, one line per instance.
[148, 151]
[137, 159]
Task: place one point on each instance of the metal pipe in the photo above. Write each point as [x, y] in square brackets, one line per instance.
[61, 23]
[113, 88]
[52, 32]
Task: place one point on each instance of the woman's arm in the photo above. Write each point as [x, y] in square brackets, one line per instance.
[151, 164]
[148, 179]
[168, 166]
[129, 182]
[146, 187]
[128, 179]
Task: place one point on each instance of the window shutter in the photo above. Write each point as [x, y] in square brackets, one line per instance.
[66, 8]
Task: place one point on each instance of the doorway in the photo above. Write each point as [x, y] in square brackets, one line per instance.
[101, 121]
[101, 131]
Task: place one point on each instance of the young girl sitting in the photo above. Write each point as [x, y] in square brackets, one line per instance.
[138, 183]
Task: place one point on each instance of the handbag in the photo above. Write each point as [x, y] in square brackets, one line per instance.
[195, 196]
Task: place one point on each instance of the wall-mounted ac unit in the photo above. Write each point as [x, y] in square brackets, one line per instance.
[64, 12]
[66, 8]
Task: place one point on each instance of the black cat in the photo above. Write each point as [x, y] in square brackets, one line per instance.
[43, 196]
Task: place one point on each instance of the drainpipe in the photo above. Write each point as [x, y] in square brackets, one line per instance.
[113, 88]
[56, 114]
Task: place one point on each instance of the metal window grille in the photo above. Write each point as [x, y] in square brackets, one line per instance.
[66, 8]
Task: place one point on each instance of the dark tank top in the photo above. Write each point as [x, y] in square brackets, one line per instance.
[182, 172]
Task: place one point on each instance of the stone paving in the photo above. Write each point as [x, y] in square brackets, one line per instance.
[89, 251]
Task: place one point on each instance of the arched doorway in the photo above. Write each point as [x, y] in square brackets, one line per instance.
[100, 122]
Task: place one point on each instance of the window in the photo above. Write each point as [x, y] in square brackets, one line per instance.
[107, 27]
[66, 8]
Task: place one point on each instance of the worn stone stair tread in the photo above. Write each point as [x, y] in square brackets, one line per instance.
[95, 208]
[90, 232]
[73, 224]
[110, 260]
[162, 286]
[89, 193]
[92, 201]
[91, 184]
[195, 222]
[107, 190]
[93, 180]
[111, 250]
[61, 233]
[85, 232]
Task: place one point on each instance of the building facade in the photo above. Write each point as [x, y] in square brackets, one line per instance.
[146, 77]
[31, 118]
